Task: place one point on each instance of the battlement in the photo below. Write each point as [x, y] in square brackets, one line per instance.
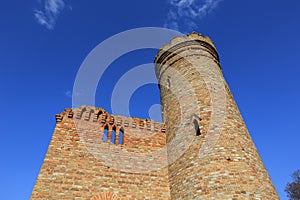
[188, 40]
[98, 126]
[180, 47]
[94, 114]
[189, 37]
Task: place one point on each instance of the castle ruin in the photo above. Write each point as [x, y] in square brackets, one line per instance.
[202, 150]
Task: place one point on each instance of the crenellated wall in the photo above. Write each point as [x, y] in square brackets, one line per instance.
[73, 168]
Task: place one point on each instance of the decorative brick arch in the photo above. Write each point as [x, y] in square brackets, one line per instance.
[106, 196]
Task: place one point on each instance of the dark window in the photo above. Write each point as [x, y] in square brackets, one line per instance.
[197, 128]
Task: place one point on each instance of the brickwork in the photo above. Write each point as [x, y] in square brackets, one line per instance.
[72, 171]
[202, 150]
[221, 162]
[106, 196]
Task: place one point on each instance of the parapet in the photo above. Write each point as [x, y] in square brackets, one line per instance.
[191, 41]
[180, 39]
[96, 126]
[95, 114]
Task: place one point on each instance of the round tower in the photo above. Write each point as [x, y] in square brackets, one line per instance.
[210, 152]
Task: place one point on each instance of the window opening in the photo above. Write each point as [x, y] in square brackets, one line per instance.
[105, 134]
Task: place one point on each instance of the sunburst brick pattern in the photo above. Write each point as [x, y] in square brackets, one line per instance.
[107, 196]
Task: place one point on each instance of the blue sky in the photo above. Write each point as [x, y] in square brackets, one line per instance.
[43, 44]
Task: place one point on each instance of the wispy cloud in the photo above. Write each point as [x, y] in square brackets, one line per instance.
[48, 15]
[185, 13]
[70, 94]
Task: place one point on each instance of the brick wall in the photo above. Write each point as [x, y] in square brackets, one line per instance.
[73, 168]
[221, 162]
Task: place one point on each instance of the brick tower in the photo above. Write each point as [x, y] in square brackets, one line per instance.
[213, 156]
[202, 150]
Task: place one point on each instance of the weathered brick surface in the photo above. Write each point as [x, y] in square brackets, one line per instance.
[221, 163]
[170, 160]
[72, 171]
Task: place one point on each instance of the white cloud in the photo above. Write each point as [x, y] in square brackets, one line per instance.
[47, 16]
[186, 12]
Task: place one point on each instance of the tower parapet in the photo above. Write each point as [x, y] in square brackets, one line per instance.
[182, 43]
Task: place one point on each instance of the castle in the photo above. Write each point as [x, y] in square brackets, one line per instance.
[202, 150]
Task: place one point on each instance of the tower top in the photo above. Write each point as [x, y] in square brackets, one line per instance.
[191, 41]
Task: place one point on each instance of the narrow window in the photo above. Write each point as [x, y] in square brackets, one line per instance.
[121, 136]
[197, 128]
[105, 134]
[113, 135]
[169, 83]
